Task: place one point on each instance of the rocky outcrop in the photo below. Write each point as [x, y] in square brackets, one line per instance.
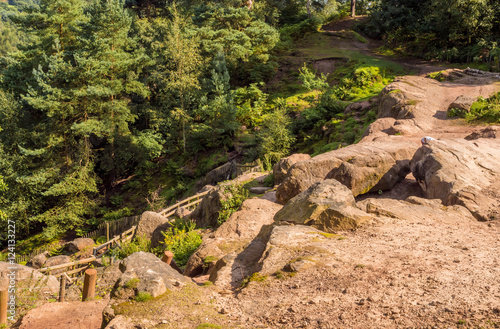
[280, 169]
[459, 172]
[207, 212]
[27, 277]
[120, 322]
[38, 261]
[79, 244]
[150, 227]
[488, 132]
[241, 228]
[462, 103]
[371, 166]
[144, 272]
[327, 205]
[290, 244]
[225, 172]
[57, 260]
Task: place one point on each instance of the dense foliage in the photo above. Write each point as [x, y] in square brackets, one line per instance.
[459, 31]
[102, 98]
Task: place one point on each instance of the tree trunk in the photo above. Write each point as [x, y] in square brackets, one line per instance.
[353, 8]
[250, 4]
[309, 8]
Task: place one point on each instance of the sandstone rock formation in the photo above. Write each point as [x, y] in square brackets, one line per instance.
[460, 172]
[239, 234]
[327, 205]
[79, 244]
[57, 260]
[280, 169]
[207, 212]
[150, 226]
[370, 166]
[38, 261]
[462, 103]
[225, 172]
[144, 272]
[27, 277]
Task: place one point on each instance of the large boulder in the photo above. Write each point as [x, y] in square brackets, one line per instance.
[242, 227]
[207, 212]
[462, 104]
[326, 205]
[280, 169]
[460, 172]
[225, 172]
[57, 260]
[372, 166]
[38, 261]
[288, 244]
[149, 223]
[144, 272]
[27, 277]
[79, 244]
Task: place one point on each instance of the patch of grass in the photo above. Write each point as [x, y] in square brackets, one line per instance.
[360, 266]
[439, 76]
[255, 277]
[461, 322]
[132, 283]
[143, 297]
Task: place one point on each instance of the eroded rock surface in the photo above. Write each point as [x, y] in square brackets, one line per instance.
[238, 235]
[370, 166]
[27, 277]
[327, 205]
[280, 169]
[144, 272]
[460, 172]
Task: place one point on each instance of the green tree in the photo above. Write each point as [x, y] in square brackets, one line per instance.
[216, 116]
[276, 139]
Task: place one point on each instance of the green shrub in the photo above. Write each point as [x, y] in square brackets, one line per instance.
[485, 110]
[143, 296]
[132, 283]
[128, 248]
[182, 240]
[269, 180]
[310, 81]
[235, 195]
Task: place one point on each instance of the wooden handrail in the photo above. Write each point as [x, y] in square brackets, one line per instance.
[78, 262]
[179, 204]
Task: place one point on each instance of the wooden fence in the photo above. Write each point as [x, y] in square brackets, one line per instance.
[76, 267]
[186, 203]
[112, 228]
[122, 227]
[255, 166]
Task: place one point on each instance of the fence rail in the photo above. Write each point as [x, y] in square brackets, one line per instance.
[186, 203]
[255, 166]
[112, 228]
[123, 229]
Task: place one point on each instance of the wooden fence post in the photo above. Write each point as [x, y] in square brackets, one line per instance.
[89, 284]
[62, 289]
[167, 257]
[4, 296]
[107, 231]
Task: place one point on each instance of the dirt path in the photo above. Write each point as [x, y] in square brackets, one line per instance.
[414, 65]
